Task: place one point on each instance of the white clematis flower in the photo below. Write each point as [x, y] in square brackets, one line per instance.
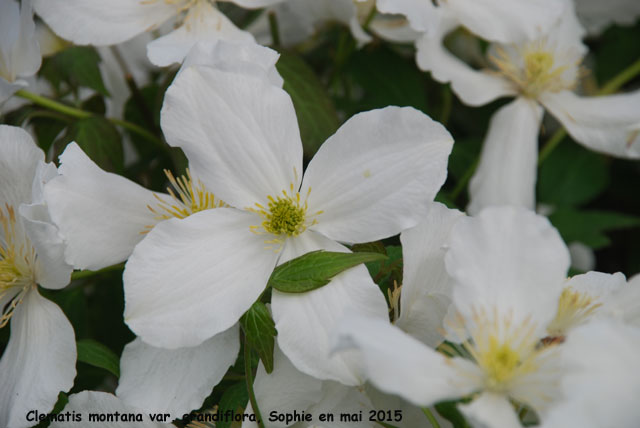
[372, 179]
[508, 265]
[601, 389]
[40, 358]
[19, 49]
[106, 23]
[538, 73]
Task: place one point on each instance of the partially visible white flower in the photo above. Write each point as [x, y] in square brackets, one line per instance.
[602, 387]
[19, 50]
[103, 23]
[597, 15]
[40, 358]
[508, 265]
[539, 73]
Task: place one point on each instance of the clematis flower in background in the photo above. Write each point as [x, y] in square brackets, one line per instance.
[98, 23]
[596, 16]
[19, 51]
[505, 291]
[541, 72]
[40, 358]
[375, 177]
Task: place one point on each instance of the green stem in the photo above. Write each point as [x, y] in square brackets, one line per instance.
[83, 114]
[83, 274]
[447, 103]
[369, 18]
[610, 87]
[274, 29]
[248, 374]
[464, 180]
[432, 419]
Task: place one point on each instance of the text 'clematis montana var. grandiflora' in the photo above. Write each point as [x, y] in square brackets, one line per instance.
[508, 267]
[192, 278]
[100, 23]
[539, 72]
[40, 358]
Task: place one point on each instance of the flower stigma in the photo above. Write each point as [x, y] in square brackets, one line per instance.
[16, 265]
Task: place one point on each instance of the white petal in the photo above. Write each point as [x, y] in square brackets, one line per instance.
[506, 22]
[103, 404]
[18, 46]
[175, 381]
[101, 215]
[609, 124]
[510, 260]
[97, 22]
[490, 410]
[398, 364]
[7, 89]
[306, 321]
[191, 279]
[426, 285]
[51, 269]
[203, 23]
[19, 159]
[597, 15]
[422, 15]
[255, 4]
[286, 389]
[39, 362]
[506, 174]
[377, 174]
[597, 284]
[341, 400]
[473, 87]
[239, 133]
[241, 58]
[583, 257]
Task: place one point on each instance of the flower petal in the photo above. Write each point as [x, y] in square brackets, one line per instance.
[100, 23]
[426, 285]
[203, 23]
[510, 260]
[473, 87]
[191, 279]
[506, 174]
[101, 215]
[422, 15]
[175, 381]
[377, 174]
[239, 133]
[490, 410]
[19, 160]
[306, 321]
[506, 22]
[86, 403]
[609, 124]
[39, 362]
[399, 364]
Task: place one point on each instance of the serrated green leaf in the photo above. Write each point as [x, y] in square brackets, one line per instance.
[260, 330]
[99, 139]
[315, 269]
[572, 175]
[235, 398]
[589, 227]
[316, 114]
[98, 355]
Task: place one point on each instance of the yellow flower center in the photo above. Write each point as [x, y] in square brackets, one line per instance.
[187, 198]
[574, 308]
[15, 264]
[537, 69]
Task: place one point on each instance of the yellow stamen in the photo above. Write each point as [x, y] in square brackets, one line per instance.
[574, 308]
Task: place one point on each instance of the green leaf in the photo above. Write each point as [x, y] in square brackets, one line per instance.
[260, 330]
[589, 227]
[235, 398]
[449, 411]
[317, 116]
[572, 175]
[99, 139]
[315, 269]
[98, 355]
[78, 66]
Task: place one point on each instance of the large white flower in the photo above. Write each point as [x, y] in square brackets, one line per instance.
[543, 71]
[19, 50]
[40, 359]
[508, 265]
[192, 278]
[106, 23]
